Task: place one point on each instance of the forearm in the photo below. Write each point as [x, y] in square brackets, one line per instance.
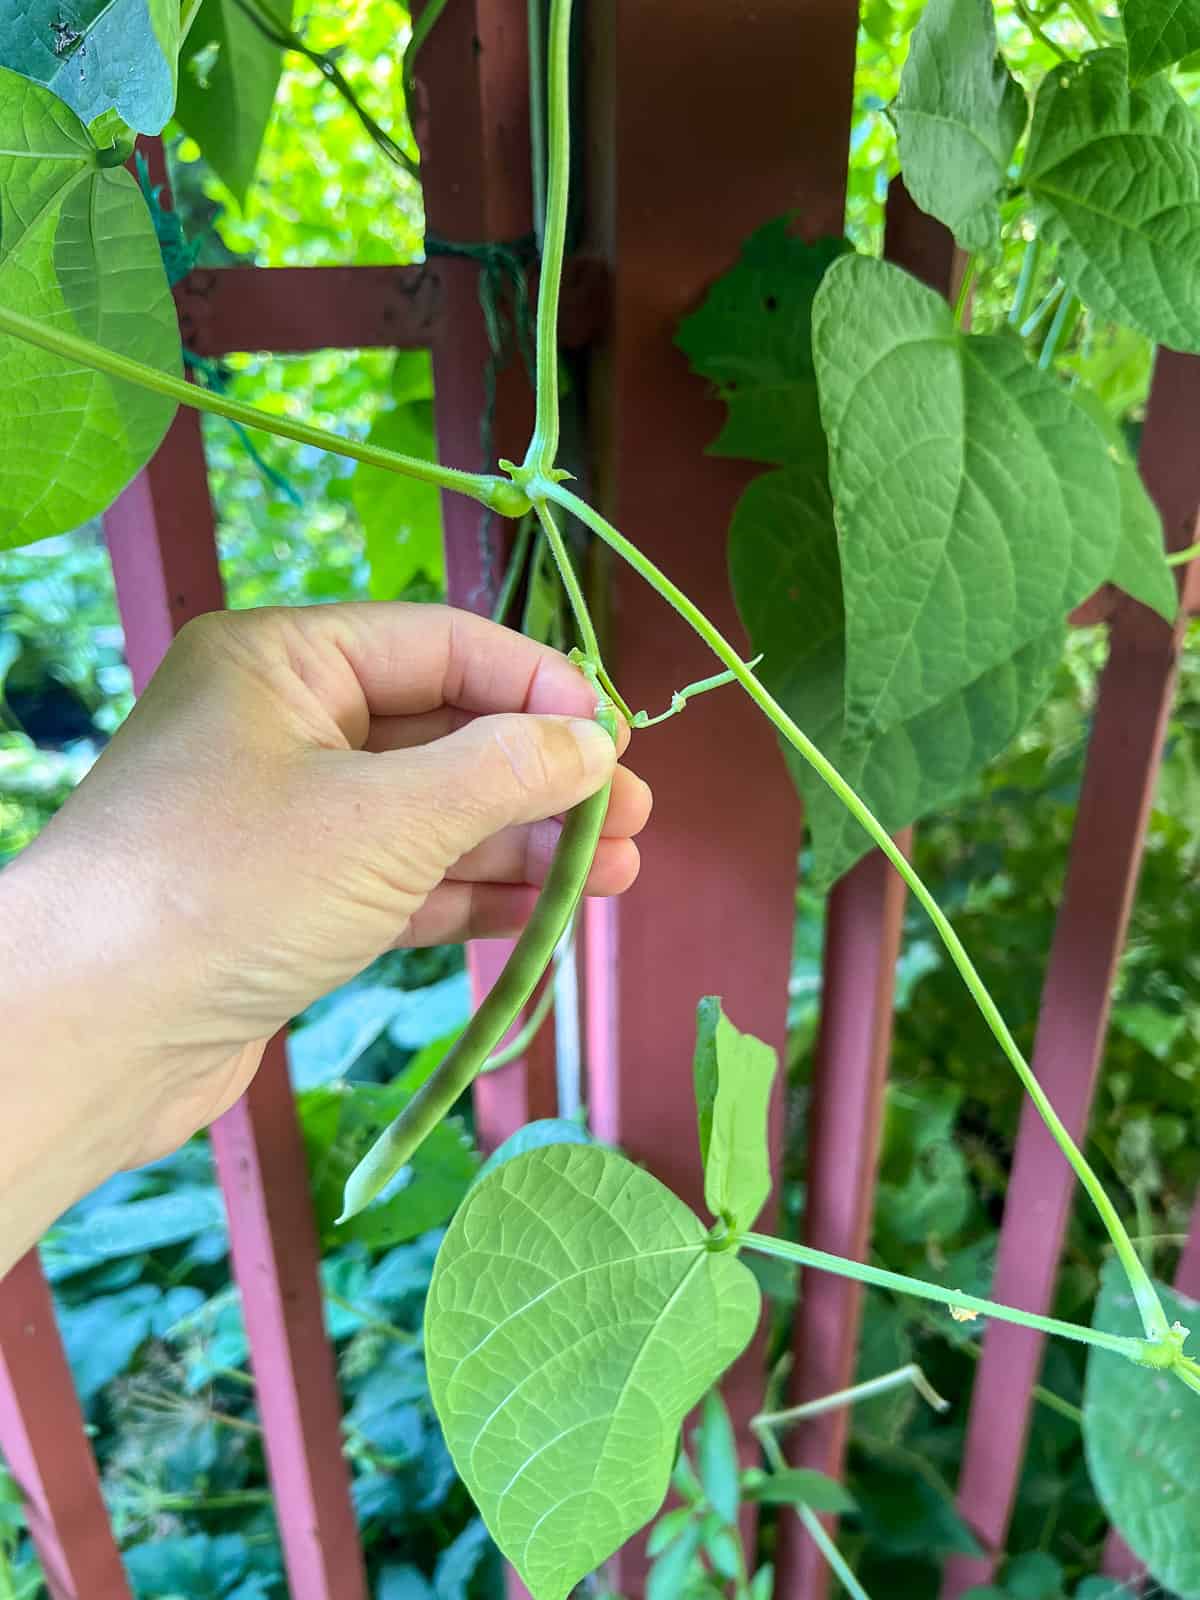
[68, 1107]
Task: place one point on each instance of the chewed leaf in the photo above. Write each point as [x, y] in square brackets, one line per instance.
[77, 249]
[752, 338]
[98, 55]
[575, 1317]
[734, 1072]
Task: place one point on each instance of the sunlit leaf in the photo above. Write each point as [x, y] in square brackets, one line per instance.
[77, 250]
[734, 1072]
[574, 1319]
[98, 55]
[228, 74]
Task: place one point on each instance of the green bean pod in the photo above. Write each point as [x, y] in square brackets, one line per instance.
[534, 950]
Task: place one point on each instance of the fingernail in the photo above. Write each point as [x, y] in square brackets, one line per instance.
[595, 745]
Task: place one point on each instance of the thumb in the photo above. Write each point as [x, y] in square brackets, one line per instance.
[501, 771]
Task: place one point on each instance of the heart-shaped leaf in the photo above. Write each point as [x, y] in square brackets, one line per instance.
[77, 248]
[976, 503]
[958, 117]
[1114, 172]
[783, 557]
[1141, 1434]
[575, 1317]
[98, 55]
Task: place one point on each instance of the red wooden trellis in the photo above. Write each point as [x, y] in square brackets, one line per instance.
[728, 830]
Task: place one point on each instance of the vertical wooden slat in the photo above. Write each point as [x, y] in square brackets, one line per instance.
[862, 942]
[45, 1447]
[161, 537]
[473, 78]
[1106, 849]
[713, 910]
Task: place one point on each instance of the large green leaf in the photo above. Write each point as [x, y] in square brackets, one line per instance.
[1159, 33]
[228, 75]
[1141, 1434]
[574, 1319]
[733, 1074]
[958, 117]
[752, 338]
[1114, 172]
[976, 503]
[77, 249]
[783, 556]
[98, 55]
[401, 517]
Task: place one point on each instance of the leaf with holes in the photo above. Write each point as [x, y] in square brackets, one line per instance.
[1141, 1435]
[752, 338]
[1158, 33]
[976, 502]
[733, 1074]
[98, 55]
[228, 74]
[77, 250]
[783, 557]
[1114, 173]
[958, 117]
[574, 1319]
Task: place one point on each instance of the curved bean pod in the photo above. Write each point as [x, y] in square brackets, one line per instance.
[533, 952]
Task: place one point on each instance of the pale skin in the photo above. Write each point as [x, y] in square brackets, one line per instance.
[296, 792]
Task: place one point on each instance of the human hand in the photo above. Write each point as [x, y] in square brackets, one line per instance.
[296, 792]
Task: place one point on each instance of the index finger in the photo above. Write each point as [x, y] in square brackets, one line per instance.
[409, 660]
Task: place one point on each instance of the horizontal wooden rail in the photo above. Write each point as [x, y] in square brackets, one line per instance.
[290, 310]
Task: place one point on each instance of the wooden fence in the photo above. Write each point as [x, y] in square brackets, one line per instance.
[750, 103]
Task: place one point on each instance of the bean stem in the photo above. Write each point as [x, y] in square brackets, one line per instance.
[1153, 1317]
[543, 446]
[498, 494]
[1133, 1349]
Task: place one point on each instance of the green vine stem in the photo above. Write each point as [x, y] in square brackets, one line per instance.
[1027, 16]
[1030, 263]
[1180, 558]
[543, 446]
[907, 1376]
[1145, 1352]
[515, 571]
[498, 494]
[1060, 330]
[813, 1525]
[1153, 1317]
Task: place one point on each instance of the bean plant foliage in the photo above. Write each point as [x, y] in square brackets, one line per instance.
[938, 496]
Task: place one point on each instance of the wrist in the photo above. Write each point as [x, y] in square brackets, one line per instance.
[72, 1071]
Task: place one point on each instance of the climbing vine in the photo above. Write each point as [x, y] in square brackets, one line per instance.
[938, 501]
